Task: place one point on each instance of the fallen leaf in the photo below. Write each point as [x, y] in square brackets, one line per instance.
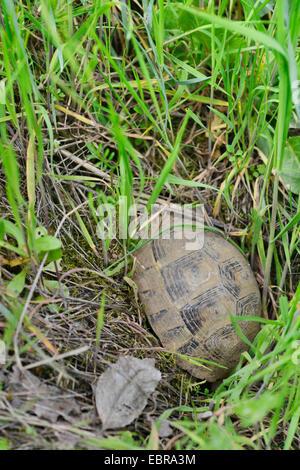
[165, 429]
[45, 401]
[204, 415]
[123, 390]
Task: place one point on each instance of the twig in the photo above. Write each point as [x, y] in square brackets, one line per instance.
[58, 357]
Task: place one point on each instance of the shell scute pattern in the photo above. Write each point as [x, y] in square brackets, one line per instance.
[190, 295]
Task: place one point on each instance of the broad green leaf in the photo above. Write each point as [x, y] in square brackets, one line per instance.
[290, 171]
[16, 285]
[53, 255]
[53, 286]
[4, 444]
[47, 243]
[253, 411]
[9, 227]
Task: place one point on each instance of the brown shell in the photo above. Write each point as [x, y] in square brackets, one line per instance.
[189, 296]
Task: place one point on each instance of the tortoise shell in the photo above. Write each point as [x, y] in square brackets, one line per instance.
[189, 296]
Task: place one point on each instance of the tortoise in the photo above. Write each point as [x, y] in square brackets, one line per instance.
[190, 296]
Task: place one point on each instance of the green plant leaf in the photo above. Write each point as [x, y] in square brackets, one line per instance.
[169, 163]
[9, 227]
[253, 411]
[53, 286]
[289, 226]
[47, 243]
[53, 255]
[4, 445]
[2, 91]
[238, 27]
[16, 285]
[290, 172]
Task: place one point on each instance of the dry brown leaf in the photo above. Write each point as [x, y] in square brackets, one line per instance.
[123, 390]
[165, 429]
[45, 401]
